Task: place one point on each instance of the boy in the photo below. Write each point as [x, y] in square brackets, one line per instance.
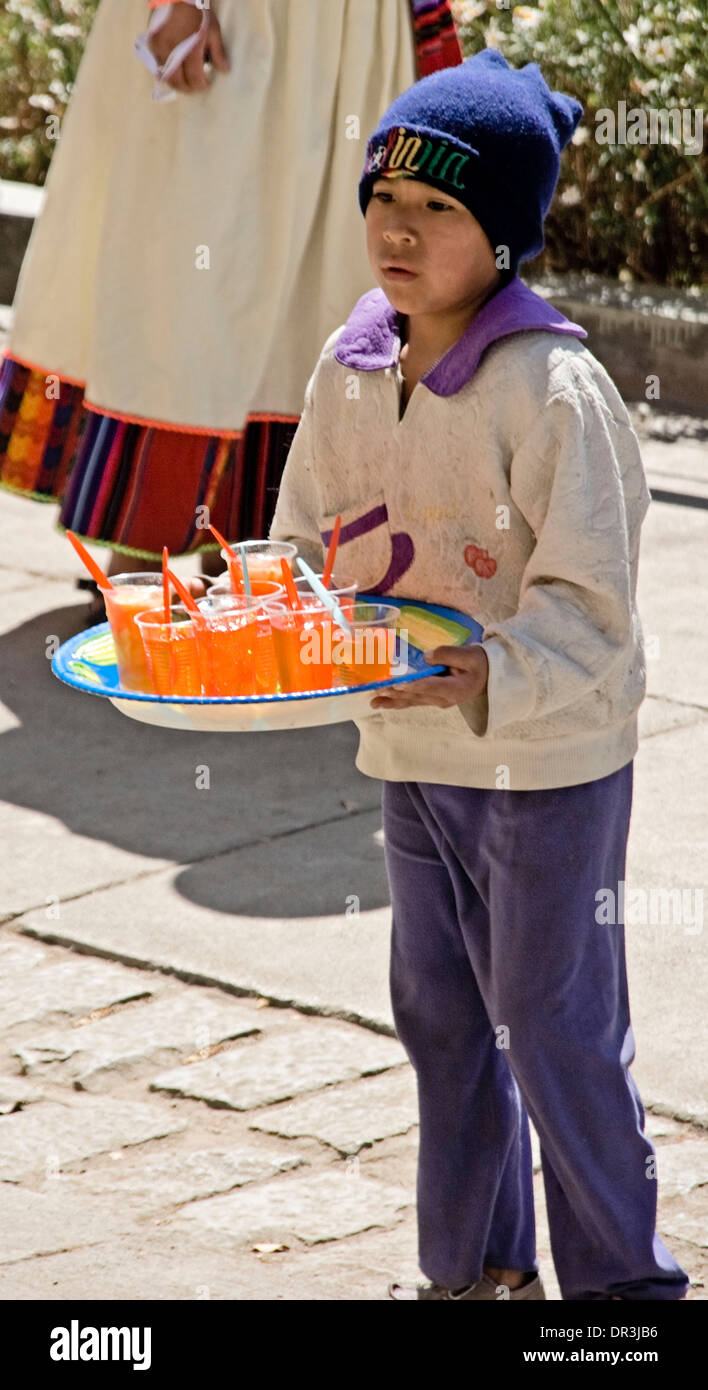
[482, 458]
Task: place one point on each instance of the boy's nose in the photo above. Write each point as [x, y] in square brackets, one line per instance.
[396, 235]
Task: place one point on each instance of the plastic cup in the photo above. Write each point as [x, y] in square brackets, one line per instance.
[226, 643]
[171, 651]
[343, 590]
[369, 652]
[265, 592]
[303, 648]
[263, 558]
[131, 594]
[260, 588]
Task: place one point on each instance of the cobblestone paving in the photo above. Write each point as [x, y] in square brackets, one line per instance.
[275, 1159]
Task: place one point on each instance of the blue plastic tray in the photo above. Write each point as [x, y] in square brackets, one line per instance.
[87, 662]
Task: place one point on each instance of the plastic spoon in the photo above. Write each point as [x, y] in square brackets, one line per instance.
[331, 553]
[185, 596]
[166, 586]
[325, 597]
[236, 581]
[94, 570]
[291, 592]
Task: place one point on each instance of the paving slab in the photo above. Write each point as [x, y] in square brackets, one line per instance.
[657, 716]
[348, 1117]
[677, 466]
[682, 1167]
[15, 579]
[49, 1137]
[69, 863]
[159, 1031]
[282, 1065]
[668, 849]
[16, 1093]
[326, 1206]
[172, 1178]
[670, 602]
[74, 986]
[17, 953]
[30, 540]
[686, 1217]
[296, 920]
[40, 1223]
[661, 1126]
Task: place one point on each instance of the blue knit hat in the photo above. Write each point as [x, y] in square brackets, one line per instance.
[487, 134]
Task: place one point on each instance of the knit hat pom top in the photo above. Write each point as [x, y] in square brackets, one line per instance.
[489, 135]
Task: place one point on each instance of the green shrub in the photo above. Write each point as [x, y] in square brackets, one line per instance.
[41, 42]
[638, 211]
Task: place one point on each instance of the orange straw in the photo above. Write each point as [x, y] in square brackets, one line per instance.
[166, 585]
[236, 581]
[185, 596]
[94, 570]
[291, 592]
[331, 553]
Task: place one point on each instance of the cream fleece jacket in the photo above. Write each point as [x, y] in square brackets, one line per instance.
[513, 489]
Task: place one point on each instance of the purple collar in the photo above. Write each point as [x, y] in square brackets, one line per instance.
[371, 338]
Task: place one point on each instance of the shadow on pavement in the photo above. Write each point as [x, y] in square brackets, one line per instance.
[74, 757]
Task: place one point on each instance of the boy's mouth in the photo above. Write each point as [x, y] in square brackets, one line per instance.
[395, 271]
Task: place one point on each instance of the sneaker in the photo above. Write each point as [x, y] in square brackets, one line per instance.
[484, 1289]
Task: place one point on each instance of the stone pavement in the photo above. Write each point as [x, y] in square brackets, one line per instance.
[200, 1091]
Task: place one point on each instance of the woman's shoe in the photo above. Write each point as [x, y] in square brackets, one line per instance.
[96, 611]
[485, 1289]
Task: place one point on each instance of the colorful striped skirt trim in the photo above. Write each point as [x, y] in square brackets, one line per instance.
[132, 486]
[436, 39]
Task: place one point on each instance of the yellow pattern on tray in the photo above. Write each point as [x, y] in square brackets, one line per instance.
[99, 650]
[428, 630]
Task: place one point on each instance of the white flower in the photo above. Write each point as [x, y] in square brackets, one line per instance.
[468, 10]
[571, 196]
[526, 18]
[45, 103]
[580, 136]
[494, 36]
[66, 31]
[661, 50]
[632, 38]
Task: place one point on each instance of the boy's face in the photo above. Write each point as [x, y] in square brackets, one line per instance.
[436, 238]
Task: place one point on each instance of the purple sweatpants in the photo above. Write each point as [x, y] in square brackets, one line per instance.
[510, 1000]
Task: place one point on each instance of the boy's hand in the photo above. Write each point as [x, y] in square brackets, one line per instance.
[469, 671]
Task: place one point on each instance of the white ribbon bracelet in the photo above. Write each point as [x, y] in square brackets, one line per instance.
[162, 72]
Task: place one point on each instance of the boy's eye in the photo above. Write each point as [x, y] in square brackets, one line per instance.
[432, 203]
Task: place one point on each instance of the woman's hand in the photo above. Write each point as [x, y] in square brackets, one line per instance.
[469, 671]
[184, 21]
